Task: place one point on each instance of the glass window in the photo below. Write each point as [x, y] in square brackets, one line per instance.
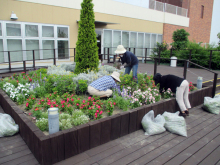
[147, 43]
[0, 29]
[62, 32]
[15, 46]
[133, 41]
[140, 45]
[63, 51]
[108, 41]
[116, 39]
[159, 38]
[1, 51]
[31, 30]
[47, 31]
[32, 45]
[153, 41]
[125, 39]
[13, 29]
[48, 44]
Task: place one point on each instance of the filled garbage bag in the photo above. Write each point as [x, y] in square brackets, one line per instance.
[7, 125]
[175, 123]
[212, 105]
[151, 125]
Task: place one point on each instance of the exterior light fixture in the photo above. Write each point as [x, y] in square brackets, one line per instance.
[53, 120]
[13, 16]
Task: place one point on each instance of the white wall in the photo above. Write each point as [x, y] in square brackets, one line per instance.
[121, 9]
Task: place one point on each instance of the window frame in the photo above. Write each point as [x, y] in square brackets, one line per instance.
[23, 37]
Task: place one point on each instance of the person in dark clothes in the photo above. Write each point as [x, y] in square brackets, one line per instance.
[177, 85]
[130, 59]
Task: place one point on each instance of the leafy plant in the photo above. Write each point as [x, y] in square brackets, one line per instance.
[167, 94]
[82, 85]
[180, 39]
[86, 46]
[42, 124]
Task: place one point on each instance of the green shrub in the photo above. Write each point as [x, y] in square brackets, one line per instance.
[42, 124]
[86, 46]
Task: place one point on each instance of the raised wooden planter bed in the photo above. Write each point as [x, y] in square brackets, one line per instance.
[64, 144]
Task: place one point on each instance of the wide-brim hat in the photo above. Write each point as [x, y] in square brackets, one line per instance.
[120, 49]
[116, 76]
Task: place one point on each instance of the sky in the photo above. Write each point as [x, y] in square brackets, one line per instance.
[215, 27]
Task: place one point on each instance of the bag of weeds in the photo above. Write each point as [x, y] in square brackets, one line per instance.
[212, 105]
[151, 125]
[175, 123]
[7, 125]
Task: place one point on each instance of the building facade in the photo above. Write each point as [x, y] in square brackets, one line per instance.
[51, 26]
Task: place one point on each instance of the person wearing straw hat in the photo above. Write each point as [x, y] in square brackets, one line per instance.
[130, 59]
[102, 86]
[177, 85]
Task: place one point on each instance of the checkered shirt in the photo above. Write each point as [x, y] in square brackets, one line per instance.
[103, 83]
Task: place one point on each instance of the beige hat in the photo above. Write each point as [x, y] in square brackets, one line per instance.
[116, 76]
[120, 49]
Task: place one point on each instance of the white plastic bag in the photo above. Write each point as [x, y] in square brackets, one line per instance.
[212, 105]
[175, 123]
[7, 125]
[151, 125]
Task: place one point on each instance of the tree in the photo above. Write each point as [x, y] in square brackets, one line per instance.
[180, 38]
[218, 35]
[86, 45]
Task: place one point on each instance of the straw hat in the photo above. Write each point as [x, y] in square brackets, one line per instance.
[116, 76]
[120, 49]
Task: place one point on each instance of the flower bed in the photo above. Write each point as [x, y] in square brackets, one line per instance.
[64, 144]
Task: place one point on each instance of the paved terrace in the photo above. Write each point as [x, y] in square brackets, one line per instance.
[202, 146]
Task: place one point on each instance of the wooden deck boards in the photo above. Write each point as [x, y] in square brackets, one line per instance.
[13, 151]
[200, 146]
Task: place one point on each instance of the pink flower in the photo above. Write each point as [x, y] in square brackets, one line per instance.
[97, 111]
[42, 100]
[72, 99]
[90, 108]
[89, 98]
[67, 99]
[57, 105]
[100, 112]
[77, 104]
[114, 103]
[84, 101]
[29, 114]
[62, 106]
[51, 106]
[27, 104]
[54, 102]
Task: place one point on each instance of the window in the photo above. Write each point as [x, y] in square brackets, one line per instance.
[116, 39]
[62, 32]
[108, 40]
[13, 29]
[15, 45]
[202, 11]
[140, 45]
[31, 30]
[133, 41]
[125, 39]
[32, 45]
[48, 44]
[1, 53]
[0, 29]
[63, 51]
[47, 31]
[137, 40]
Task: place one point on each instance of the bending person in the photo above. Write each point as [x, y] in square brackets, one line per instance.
[102, 86]
[129, 58]
[177, 85]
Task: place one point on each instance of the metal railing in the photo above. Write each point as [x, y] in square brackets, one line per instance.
[164, 7]
[185, 71]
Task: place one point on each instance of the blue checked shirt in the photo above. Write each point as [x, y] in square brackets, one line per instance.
[103, 83]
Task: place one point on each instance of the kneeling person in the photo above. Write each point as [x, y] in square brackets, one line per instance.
[102, 86]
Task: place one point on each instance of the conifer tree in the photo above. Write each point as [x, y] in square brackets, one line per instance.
[86, 46]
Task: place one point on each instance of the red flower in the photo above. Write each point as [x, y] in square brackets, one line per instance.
[72, 99]
[114, 103]
[77, 104]
[62, 106]
[27, 104]
[56, 105]
[100, 112]
[97, 111]
[36, 109]
[84, 101]
[51, 106]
